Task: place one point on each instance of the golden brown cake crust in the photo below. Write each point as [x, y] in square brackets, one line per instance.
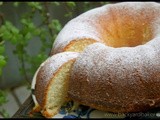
[113, 80]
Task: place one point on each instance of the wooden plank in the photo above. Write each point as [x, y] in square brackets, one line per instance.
[24, 110]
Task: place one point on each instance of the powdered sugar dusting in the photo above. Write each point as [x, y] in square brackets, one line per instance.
[119, 72]
[81, 27]
[86, 25]
[150, 9]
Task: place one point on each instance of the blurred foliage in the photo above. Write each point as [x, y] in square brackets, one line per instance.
[3, 100]
[2, 97]
[28, 30]
[20, 37]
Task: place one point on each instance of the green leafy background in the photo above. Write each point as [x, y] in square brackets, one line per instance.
[41, 33]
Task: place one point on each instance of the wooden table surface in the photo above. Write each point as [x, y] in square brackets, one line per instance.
[24, 110]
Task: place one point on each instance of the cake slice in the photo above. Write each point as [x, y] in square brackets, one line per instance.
[50, 83]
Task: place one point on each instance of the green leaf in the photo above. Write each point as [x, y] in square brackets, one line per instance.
[9, 32]
[20, 38]
[4, 113]
[2, 97]
[36, 5]
[56, 3]
[31, 26]
[14, 40]
[2, 29]
[8, 25]
[5, 31]
[24, 21]
[2, 61]
[71, 4]
[3, 100]
[28, 36]
[14, 30]
[69, 14]
[56, 25]
[6, 35]
[2, 50]
[16, 4]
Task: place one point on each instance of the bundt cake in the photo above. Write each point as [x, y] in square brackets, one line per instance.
[117, 68]
[50, 83]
